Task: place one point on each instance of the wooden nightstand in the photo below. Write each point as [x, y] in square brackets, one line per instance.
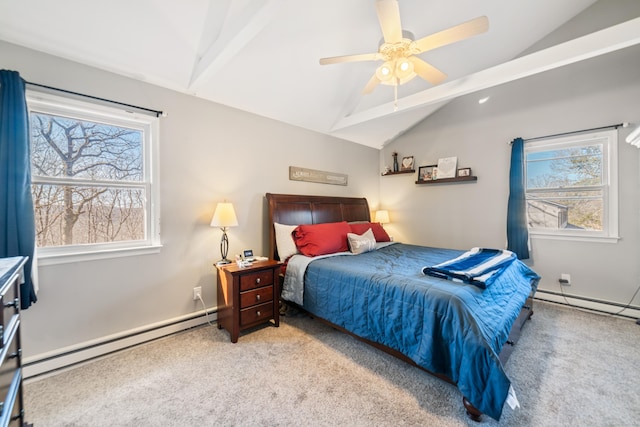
[247, 296]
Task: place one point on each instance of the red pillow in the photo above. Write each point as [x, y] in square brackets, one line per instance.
[322, 239]
[379, 232]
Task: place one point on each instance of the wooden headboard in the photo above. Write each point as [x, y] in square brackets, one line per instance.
[294, 209]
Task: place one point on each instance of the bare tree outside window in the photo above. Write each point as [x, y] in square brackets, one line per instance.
[88, 181]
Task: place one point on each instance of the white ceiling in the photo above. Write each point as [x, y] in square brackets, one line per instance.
[261, 56]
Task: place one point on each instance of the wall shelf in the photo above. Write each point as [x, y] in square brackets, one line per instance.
[398, 173]
[445, 180]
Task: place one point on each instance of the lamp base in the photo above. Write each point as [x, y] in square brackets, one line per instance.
[224, 248]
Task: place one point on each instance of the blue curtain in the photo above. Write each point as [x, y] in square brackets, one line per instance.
[517, 233]
[17, 224]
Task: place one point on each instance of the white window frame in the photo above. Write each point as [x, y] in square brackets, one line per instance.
[57, 105]
[609, 140]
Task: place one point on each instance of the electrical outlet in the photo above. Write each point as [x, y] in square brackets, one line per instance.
[197, 293]
[565, 279]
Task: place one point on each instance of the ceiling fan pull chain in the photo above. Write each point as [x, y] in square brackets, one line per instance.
[395, 98]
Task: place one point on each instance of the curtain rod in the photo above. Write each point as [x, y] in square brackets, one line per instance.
[616, 126]
[158, 113]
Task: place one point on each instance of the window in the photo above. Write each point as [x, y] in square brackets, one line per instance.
[93, 183]
[571, 186]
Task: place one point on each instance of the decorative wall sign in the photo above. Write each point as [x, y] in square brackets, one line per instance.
[407, 163]
[312, 175]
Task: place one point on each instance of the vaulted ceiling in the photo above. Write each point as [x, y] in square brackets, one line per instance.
[261, 56]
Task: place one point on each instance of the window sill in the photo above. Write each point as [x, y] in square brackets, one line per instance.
[45, 258]
[573, 237]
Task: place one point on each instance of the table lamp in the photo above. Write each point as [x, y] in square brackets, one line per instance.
[224, 217]
[381, 216]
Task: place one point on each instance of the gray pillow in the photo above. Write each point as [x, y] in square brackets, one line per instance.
[361, 243]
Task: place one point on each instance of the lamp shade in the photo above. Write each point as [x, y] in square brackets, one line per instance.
[224, 216]
[382, 216]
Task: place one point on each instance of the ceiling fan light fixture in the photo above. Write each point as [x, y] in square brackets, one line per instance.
[385, 72]
[404, 70]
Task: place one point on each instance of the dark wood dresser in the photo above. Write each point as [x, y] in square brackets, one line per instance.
[11, 405]
[247, 296]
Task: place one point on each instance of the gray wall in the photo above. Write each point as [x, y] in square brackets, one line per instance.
[597, 92]
[208, 153]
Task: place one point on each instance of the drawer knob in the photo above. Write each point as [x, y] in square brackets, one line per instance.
[258, 280]
[258, 313]
[258, 297]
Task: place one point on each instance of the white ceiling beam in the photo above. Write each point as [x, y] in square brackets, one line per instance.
[235, 35]
[599, 43]
[212, 26]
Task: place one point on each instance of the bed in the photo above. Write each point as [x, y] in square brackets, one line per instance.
[459, 332]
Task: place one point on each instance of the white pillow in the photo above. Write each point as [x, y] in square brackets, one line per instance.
[361, 243]
[285, 244]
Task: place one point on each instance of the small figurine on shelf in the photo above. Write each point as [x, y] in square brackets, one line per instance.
[395, 161]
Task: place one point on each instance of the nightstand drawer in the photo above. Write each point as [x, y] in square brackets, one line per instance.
[256, 296]
[256, 280]
[257, 313]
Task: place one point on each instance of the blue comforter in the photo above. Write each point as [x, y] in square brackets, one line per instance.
[447, 327]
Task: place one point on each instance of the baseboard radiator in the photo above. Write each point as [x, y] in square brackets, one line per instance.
[42, 364]
[592, 304]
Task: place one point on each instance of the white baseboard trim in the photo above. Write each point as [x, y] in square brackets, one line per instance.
[72, 355]
[603, 307]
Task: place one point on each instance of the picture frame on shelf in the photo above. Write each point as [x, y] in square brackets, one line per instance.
[447, 167]
[425, 173]
[464, 172]
[407, 163]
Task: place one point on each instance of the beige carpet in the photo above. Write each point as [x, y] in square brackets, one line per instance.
[570, 368]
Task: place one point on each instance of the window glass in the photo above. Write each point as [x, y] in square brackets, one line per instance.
[569, 167]
[72, 148]
[76, 215]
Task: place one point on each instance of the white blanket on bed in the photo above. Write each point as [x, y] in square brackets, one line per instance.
[293, 286]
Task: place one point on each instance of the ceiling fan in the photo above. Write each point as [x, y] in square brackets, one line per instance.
[398, 49]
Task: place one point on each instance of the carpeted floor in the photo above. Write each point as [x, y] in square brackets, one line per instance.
[570, 368]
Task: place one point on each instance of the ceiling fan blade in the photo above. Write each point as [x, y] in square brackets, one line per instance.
[389, 17]
[371, 85]
[454, 34]
[350, 58]
[427, 71]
